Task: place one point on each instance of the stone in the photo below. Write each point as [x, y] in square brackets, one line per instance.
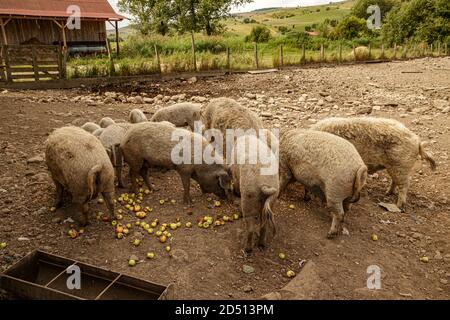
[192, 80]
[247, 289]
[36, 159]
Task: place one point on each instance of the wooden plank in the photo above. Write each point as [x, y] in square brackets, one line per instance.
[36, 73]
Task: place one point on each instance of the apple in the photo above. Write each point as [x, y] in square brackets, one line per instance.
[173, 226]
[128, 225]
[226, 218]
[173, 201]
[374, 237]
[3, 245]
[282, 256]
[131, 262]
[146, 191]
[52, 209]
[168, 248]
[136, 242]
[235, 216]
[161, 201]
[188, 224]
[162, 239]
[291, 206]
[73, 233]
[158, 233]
[119, 229]
[100, 201]
[217, 203]
[150, 230]
[120, 235]
[126, 231]
[290, 274]
[154, 224]
[206, 225]
[150, 255]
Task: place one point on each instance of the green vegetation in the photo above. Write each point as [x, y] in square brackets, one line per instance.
[340, 25]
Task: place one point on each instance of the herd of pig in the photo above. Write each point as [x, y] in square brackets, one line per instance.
[331, 160]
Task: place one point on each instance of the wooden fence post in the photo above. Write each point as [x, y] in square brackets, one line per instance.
[405, 51]
[431, 49]
[281, 56]
[370, 51]
[445, 49]
[354, 53]
[439, 48]
[303, 58]
[256, 55]
[228, 60]
[35, 63]
[194, 58]
[394, 56]
[414, 49]
[158, 59]
[8, 67]
[340, 53]
[382, 51]
[322, 53]
[111, 70]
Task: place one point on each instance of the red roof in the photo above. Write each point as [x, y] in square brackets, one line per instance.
[94, 9]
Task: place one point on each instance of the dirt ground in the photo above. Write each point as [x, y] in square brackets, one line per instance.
[208, 263]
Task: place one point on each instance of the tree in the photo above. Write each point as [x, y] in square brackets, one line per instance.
[350, 27]
[422, 20]
[359, 9]
[148, 15]
[258, 34]
[202, 15]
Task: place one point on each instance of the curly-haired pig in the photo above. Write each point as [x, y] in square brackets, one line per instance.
[325, 164]
[180, 114]
[111, 137]
[255, 179]
[157, 144]
[137, 116]
[79, 164]
[382, 144]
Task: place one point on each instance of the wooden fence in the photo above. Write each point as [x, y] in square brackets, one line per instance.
[19, 63]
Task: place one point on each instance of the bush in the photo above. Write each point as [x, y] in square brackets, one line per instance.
[283, 29]
[351, 27]
[422, 20]
[248, 20]
[258, 34]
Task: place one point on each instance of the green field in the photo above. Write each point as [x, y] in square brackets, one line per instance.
[292, 18]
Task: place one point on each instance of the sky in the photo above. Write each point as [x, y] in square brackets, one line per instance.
[257, 4]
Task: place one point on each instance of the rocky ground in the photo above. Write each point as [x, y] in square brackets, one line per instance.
[412, 250]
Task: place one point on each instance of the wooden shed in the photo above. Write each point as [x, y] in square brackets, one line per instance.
[47, 22]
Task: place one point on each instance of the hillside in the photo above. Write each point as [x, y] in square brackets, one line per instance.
[296, 18]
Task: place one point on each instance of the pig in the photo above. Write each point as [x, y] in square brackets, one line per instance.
[180, 114]
[105, 122]
[222, 114]
[98, 132]
[137, 116]
[110, 138]
[150, 144]
[79, 164]
[90, 127]
[382, 144]
[255, 179]
[325, 164]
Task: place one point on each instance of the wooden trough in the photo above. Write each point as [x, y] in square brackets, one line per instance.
[43, 276]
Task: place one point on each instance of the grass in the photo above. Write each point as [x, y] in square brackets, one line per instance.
[138, 52]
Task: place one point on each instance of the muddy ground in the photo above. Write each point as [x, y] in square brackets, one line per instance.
[208, 263]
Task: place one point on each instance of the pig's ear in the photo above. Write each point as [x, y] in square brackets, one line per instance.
[225, 181]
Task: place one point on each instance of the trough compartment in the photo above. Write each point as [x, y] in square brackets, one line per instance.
[43, 276]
